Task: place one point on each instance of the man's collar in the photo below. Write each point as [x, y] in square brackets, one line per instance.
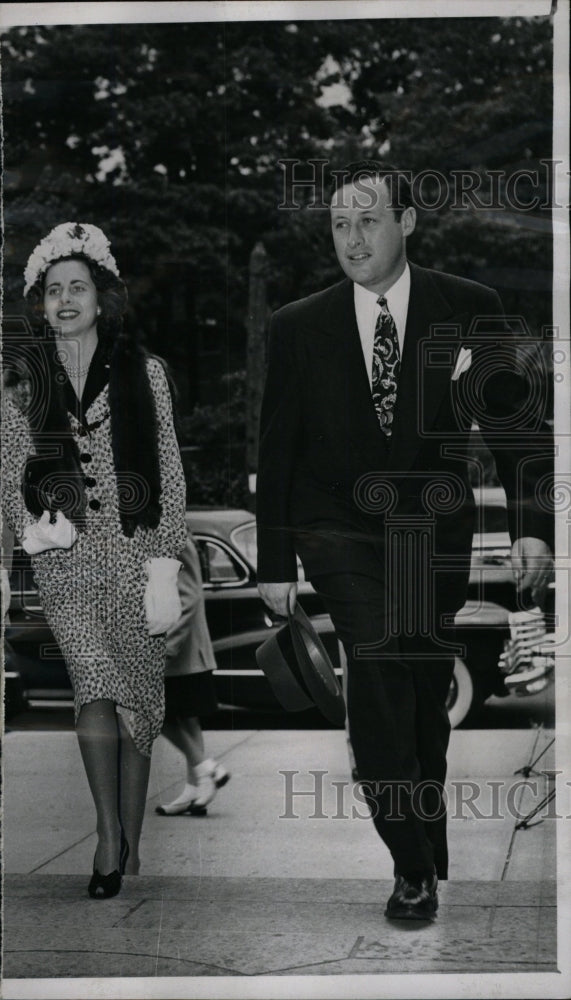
[398, 292]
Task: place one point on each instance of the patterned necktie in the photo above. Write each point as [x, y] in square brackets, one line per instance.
[386, 366]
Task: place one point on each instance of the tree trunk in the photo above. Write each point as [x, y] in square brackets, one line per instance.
[255, 356]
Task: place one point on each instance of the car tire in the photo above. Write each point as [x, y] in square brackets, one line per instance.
[462, 693]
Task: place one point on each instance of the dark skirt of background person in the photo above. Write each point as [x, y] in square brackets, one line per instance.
[190, 695]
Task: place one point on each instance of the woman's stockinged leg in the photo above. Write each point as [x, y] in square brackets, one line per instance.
[195, 737]
[98, 736]
[186, 735]
[204, 776]
[134, 770]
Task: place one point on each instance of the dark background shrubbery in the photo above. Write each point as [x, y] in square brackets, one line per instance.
[169, 137]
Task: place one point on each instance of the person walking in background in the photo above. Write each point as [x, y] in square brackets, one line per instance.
[7, 549]
[372, 388]
[190, 692]
[94, 490]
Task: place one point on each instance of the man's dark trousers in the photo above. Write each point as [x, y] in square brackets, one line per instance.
[398, 722]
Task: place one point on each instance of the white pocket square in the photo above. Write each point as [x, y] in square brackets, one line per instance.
[463, 362]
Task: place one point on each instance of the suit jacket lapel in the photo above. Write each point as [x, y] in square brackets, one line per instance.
[425, 374]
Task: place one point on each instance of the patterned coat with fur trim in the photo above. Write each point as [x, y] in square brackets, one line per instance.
[93, 593]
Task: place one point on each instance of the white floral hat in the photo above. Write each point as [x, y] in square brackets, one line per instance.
[65, 240]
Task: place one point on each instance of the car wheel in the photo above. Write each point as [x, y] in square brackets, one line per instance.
[461, 695]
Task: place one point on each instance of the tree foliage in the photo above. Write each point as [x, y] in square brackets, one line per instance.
[172, 134]
[170, 137]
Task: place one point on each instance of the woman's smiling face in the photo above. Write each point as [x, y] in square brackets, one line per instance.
[70, 298]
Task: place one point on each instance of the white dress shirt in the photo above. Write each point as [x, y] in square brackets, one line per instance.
[367, 310]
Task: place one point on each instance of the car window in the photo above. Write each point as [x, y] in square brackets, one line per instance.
[218, 565]
[22, 583]
[244, 538]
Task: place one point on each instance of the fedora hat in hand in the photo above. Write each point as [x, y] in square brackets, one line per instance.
[299, 670]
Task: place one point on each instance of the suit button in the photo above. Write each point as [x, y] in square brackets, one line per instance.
[94, 504]
[85, 457]
[90, 481]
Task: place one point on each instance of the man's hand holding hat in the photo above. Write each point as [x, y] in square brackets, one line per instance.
[279, 596]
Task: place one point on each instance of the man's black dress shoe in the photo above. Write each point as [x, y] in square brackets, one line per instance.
[414, 899]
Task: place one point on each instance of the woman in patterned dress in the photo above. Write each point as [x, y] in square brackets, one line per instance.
[94, 490]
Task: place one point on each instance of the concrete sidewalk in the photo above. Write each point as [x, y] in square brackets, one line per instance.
[274, 882]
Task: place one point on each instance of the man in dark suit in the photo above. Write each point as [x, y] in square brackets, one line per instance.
[372, 389]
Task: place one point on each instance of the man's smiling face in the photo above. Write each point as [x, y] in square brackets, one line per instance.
[370, 241]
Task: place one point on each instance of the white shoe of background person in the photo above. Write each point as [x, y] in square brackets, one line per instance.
[210, 776]
[181, 804]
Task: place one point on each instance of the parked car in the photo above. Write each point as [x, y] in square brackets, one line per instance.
[239, 621]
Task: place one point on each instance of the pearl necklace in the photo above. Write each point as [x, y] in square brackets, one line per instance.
[77, 372]
[71, 371]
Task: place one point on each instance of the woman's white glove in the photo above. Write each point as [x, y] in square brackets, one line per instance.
[162, 600]
[42, 536]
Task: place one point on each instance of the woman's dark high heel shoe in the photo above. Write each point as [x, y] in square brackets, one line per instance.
[107, 886]
[104, 886]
